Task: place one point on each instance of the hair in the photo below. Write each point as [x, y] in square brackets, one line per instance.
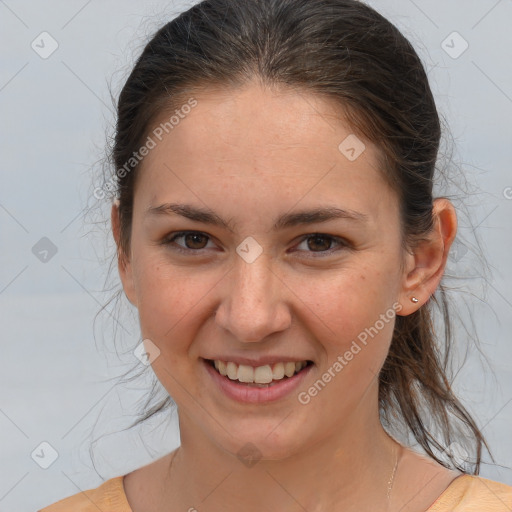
[345, 51]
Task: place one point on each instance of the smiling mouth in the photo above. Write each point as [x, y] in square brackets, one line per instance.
[273, 374]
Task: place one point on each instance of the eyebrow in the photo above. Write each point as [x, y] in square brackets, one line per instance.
[287, 220]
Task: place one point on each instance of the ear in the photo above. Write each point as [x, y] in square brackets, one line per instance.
[123, 261]
[425, 267]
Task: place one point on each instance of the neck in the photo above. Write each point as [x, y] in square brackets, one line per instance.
[348, 469]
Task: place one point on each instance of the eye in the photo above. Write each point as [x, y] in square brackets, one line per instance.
[321, 243]
[194, 241]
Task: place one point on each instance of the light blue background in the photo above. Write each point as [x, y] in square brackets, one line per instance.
[55, 115]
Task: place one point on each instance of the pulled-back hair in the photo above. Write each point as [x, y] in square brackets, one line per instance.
[345, 51]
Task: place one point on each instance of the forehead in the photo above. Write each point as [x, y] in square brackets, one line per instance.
[281, 142]
[257, 121]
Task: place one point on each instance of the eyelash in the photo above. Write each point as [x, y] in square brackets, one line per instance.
[170, 241]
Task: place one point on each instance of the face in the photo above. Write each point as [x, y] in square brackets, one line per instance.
[312, 289]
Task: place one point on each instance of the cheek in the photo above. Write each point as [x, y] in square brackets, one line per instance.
[167, 297]
[344, 307]
[352, 318]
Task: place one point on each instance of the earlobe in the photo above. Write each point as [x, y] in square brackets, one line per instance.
[425, 267]
[123, 263]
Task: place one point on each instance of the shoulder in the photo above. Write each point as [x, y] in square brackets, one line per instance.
[469, 493]
[109, 496]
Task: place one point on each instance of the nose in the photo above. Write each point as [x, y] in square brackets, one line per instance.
[253, 303]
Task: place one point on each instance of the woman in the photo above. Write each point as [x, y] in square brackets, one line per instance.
[276, 231]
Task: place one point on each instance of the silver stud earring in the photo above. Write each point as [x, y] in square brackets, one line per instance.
[414, 299]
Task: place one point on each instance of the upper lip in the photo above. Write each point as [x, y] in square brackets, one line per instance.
[259, 361]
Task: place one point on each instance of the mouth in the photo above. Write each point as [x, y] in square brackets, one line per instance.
[266, 376]
[272, 390]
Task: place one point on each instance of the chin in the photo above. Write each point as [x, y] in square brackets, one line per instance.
[257, 445]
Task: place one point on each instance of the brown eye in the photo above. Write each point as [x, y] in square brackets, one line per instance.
[319, 243]
[322, 244]
[193, 241]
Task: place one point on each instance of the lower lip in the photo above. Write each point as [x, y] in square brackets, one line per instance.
[248, 394]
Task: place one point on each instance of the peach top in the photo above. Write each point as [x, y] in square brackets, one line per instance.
[467, 493]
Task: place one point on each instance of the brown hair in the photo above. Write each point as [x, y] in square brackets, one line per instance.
[346, 51]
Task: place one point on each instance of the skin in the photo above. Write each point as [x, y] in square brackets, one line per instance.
[250, 155]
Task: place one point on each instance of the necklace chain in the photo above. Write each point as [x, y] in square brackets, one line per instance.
[392, 478]
[390, 481]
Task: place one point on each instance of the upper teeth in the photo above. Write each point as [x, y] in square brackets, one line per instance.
[260, 374]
